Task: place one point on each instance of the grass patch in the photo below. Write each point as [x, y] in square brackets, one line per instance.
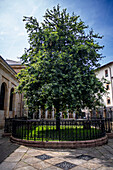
[66, 133]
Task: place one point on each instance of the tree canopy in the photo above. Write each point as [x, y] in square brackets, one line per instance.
[60, 63]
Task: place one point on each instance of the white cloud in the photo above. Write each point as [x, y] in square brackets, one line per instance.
[21, 34]
[3, 33]
[16, 28]
[34, 10]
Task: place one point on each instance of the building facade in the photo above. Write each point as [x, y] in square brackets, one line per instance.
[106, 71]
[10, 102]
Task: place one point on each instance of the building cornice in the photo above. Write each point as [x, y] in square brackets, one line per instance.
[106, 64]
[4, 64]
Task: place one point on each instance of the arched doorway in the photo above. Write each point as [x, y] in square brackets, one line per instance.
[2, 96]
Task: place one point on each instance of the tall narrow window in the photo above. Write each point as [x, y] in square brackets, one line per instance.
[107, 86]
[108, 101]
[11, 100]
[106, 73]
[2, 96]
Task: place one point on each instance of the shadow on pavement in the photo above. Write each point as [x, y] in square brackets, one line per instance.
[6, 148]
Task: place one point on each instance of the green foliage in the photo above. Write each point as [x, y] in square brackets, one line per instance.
[60, 63]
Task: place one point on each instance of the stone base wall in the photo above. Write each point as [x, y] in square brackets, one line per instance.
[110, 135]
[2, 119]
[62, 144]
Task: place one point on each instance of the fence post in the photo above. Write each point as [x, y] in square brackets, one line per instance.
[110, 114]
[88, 116]
[14, 128]
[102, 126]
[42, 129]
[110, 118]
[101, 116]
[109, 121]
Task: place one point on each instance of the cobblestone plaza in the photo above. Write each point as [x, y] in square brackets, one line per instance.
[19, 157]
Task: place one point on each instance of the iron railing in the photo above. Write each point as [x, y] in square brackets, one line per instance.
[8, 123]
[105, 114]
[108, 123]
[70, 130]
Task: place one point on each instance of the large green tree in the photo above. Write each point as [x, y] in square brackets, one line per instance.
[60, 63]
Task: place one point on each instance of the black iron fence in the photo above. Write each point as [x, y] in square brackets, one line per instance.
[106, 114]
[44, 129]
[108, 123]
[70, 130]
[8, 123]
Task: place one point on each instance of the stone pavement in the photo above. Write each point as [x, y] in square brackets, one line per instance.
[6, 147]
[18, 157]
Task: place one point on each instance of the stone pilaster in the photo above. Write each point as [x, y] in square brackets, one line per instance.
[67, 113]
[60, 114]
[14, 104]
[46, 114]
[33, 115]
[53, 112]
[39, 112]
[74, 115]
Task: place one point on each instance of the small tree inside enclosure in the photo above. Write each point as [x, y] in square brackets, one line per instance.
[60, 64]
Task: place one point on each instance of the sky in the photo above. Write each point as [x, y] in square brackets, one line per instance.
[97, 14]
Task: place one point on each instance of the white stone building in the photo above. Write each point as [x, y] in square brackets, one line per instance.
[106, 71]
[10, 103]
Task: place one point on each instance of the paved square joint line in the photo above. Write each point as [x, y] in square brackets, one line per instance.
[85, 157]
[43, 157]
[65, 165]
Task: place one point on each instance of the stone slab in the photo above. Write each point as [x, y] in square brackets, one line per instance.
[7, 165]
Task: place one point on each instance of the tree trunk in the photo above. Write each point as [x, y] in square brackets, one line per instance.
[57, 119]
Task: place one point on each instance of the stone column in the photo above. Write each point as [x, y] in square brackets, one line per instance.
[53, 112]
[67, 113]
[14, 104]
[60, 114]
[46, 114]
[105, 112]
[39, 112]
[74, 115]
[34, 115]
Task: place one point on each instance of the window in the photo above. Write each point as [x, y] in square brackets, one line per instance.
[11, 100]
[2, 96]
[106, 73]
[108, 101]
[107, 86]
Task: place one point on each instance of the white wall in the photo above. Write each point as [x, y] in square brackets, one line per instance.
[101, 74]
[7, 75]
